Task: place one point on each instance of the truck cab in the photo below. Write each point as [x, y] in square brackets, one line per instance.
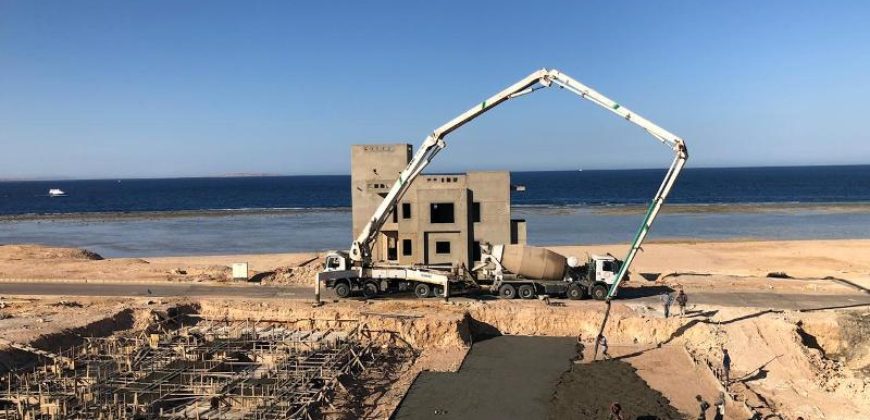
[336, 261]
[594, 278]
[606, 268]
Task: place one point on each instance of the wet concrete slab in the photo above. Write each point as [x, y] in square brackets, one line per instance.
[513, 377]
[505, 377]
[588, 390]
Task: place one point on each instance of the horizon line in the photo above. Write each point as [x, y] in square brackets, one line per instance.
[268, 175]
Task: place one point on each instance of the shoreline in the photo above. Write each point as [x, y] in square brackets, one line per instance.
[167, 214]
[598, 209]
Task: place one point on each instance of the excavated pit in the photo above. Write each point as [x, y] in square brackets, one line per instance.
[13, 358]
[175, 363]
[786, 363]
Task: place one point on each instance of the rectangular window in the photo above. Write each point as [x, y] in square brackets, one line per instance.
[395, 216]
[442, 247]
[406, 210]
[475, 212]
[475, 251]
[441, 213]
[407, 249]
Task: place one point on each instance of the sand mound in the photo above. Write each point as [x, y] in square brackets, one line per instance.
[301, 274]
[39, 252]
[214, 272]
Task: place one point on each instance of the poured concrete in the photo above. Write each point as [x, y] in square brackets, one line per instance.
[506, 377]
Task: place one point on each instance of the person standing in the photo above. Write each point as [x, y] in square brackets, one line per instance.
[666, 302]
[703, 406]
[615, 412]
[726, 366]
[682, 299]
[719, 406]
[602, 342]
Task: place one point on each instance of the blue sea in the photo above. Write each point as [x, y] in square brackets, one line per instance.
[229, 215]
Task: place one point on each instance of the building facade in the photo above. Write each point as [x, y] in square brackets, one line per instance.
[442, 219]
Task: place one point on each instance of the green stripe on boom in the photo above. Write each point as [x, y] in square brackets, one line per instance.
[644, 226]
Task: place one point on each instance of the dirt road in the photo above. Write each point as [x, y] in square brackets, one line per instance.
[757, 299]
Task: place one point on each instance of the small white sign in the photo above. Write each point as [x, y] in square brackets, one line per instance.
[240, 271]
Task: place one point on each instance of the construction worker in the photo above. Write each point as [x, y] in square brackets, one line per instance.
[602, 342]
[682, 299]
[719, 406]
[615, 412]
[726, 366]
[703, 406]
[667, 299]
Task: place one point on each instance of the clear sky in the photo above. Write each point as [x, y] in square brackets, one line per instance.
[183, 88]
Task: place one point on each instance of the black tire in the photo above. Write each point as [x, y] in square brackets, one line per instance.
[342, 289]
[526, 291]
[507, 291]
[599, 292]
[422, 290]
[370, 289]
[576, 292]
[438, 291]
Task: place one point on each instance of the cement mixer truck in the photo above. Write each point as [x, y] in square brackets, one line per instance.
[356, 269]
[512, 271]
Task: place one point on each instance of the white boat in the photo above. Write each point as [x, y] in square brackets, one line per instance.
[56, 192]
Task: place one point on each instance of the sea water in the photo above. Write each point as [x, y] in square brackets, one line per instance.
[150, 217]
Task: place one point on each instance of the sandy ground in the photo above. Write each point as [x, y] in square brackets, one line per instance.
[737, 264]
[814, 364]
[46, 263]
[809, 259]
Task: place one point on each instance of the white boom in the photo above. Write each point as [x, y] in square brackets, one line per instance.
[361, 249]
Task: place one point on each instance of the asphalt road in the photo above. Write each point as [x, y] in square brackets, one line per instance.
[760, 299]
[153, 289]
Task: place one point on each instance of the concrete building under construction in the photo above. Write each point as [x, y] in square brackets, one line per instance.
[442, 219]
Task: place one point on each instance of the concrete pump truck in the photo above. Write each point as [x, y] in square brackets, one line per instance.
[356, 270]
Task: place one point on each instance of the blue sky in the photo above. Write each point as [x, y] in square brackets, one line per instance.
[181, 88]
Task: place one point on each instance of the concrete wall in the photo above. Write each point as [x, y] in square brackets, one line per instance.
[491, 190]
[374, 169]
[438, 189]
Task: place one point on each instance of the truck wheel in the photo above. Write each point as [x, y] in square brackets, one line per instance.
[437, 291]
[599, 292]
[576, 292]
[507, 291]
[342, 289]
[370, 289]
[422, 290]
[527, 291]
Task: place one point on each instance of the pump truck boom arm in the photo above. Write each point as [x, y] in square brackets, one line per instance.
[361, 249]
